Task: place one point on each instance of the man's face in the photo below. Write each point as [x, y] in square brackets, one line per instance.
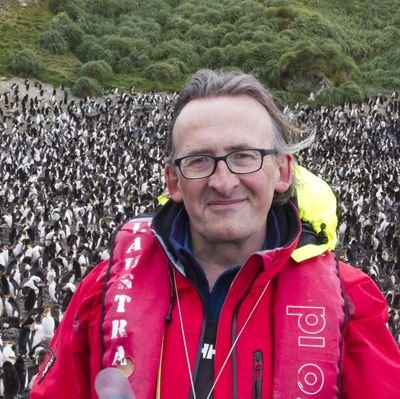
[227, 207]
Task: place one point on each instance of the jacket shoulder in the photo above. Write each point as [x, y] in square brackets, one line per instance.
[363, 292]
[371, 357]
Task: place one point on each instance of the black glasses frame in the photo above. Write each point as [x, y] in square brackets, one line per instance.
[263, 152]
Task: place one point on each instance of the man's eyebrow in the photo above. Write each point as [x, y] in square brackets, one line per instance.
[207, 151]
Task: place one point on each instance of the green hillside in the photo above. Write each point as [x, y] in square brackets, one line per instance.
[339, 50]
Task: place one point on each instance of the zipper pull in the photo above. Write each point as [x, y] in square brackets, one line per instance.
[257, 372]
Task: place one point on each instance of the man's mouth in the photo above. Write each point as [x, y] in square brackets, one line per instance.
[226, 203]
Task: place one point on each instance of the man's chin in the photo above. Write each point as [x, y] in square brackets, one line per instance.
[226, 233]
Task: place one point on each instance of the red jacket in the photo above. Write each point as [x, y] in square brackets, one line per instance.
[370, 358]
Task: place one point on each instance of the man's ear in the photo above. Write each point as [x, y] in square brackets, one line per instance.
[285, 172]
[172, 183]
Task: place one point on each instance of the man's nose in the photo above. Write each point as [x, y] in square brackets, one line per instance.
[223, 179]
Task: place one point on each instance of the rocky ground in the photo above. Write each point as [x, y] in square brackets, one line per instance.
[34, 90]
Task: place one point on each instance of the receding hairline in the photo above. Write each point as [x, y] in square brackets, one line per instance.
[215, 96]
[205, 84]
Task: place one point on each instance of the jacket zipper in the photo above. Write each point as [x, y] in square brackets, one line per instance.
[234, 336]
[257, 374]
[200, 346]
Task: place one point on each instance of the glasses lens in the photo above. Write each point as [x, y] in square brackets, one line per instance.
[197, 166]
[244, 161]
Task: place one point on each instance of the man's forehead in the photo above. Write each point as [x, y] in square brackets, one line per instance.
[222, 104]
[242, 115]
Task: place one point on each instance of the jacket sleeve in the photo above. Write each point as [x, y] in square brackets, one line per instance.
[371, 357]
[67, 370]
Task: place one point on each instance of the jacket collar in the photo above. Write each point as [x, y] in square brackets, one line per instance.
[285, 217]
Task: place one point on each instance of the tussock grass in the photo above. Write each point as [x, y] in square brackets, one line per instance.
[291, 45]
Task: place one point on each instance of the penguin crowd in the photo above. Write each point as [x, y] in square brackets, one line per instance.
[356, 150]
[72, 170]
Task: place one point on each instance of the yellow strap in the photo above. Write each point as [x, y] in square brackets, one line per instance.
[163, 198]
[158, 390]
[309, 251]
[316, 205]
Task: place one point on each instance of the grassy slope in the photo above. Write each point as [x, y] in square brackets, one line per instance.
[358, 23]
[367, 29]
[19, 28]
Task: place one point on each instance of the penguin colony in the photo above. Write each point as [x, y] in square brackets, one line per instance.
[72, 170]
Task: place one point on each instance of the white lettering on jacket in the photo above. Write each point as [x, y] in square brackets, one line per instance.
[208, 351]
[128, 263]
[119, 356]
[136, 227]
[121, 299]
[135, 246]
[311, 322]
[118, 328]
[125, 281]
[310, 379]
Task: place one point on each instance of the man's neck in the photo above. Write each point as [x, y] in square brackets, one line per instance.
[215, 258]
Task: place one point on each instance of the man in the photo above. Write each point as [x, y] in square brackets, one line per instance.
[226, 292]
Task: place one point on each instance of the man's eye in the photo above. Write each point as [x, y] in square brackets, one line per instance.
[197, 161]
[243, 156]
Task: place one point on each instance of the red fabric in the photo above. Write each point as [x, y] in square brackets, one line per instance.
[371, 358]
[309, 316]
[76, 345]
[137, 265]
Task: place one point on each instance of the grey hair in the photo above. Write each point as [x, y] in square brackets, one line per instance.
[288, 138]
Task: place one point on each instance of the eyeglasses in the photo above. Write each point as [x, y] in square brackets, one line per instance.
[239, 162]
